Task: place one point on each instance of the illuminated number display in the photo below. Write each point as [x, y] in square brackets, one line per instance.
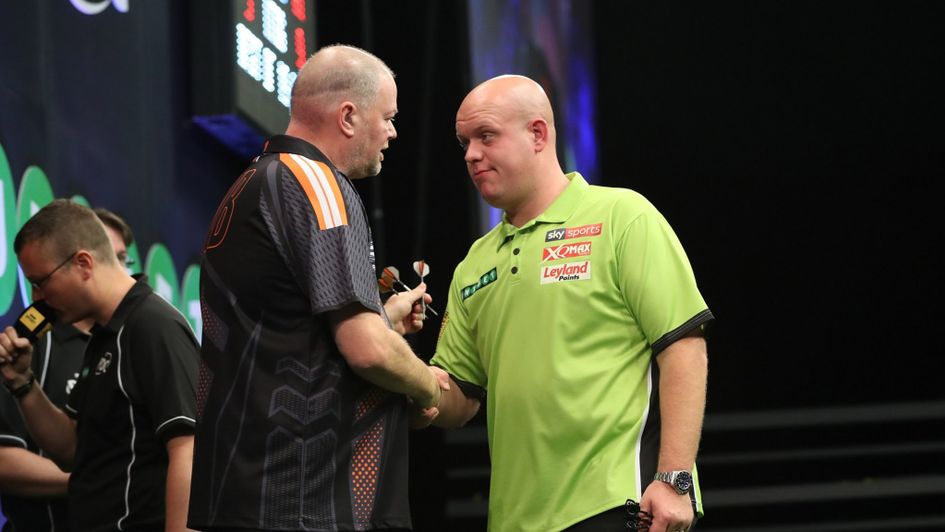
[247, 54]
[262, 43]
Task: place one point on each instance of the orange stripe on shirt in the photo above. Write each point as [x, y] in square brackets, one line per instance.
[322, 184]
[299, 176]
[333, 182]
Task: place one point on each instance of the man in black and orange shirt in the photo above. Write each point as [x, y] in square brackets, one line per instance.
[301, 402]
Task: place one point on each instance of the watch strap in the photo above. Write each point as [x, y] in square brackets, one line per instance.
[24, 388]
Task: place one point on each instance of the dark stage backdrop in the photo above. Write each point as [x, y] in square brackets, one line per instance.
[795, 148]
[98, 106]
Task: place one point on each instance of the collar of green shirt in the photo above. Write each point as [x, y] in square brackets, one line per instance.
[557, 213]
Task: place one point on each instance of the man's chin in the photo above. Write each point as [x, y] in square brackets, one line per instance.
[366, 172]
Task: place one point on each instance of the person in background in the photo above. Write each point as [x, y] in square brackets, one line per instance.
[32, 487]
[579, 321]
[126, 431]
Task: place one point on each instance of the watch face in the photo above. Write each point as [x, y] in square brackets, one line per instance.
[683, 481]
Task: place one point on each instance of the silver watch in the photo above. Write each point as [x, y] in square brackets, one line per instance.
[681, 481]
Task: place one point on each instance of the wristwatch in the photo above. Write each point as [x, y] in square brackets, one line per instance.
[681, 481]
[24, 388]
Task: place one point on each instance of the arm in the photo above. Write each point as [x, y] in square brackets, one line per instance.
[27, 474]
[381, 356]
[52, 429]
[180, 457]
[682, 389]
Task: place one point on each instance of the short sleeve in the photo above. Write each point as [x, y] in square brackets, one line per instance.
[164, 357]
[456, 352]
[318, 224]
[656, 280]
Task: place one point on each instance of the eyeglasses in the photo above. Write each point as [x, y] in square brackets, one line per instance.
[38, 285]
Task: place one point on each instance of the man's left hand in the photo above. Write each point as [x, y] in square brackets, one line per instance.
[405, 311]
[671, 511]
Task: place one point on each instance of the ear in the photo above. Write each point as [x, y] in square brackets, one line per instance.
[346, 118]
[84, 262]
[538, 128]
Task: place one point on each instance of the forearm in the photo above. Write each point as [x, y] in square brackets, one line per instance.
[26, 474]
[682, 391]
[455, 408]
[49, 426]
[180, 455]
[381, 356]
[399, 370]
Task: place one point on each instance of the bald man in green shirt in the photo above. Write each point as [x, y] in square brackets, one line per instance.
[579, 321]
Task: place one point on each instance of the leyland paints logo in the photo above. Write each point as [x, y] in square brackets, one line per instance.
[569, 271]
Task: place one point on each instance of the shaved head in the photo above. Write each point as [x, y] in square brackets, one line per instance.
[515, 96]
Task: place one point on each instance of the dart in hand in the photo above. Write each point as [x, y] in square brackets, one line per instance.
[422, 269]
[390, 279]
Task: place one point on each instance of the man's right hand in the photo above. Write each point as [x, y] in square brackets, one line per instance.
[16, 355]
[422, 417]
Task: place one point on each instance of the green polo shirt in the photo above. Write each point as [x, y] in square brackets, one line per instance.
[559, 321]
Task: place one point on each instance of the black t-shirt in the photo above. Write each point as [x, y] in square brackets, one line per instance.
[136, 391]
[57, 358]
[288, 436]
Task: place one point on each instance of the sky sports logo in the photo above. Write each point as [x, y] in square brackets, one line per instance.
[564, 233]
[566, 251]
[572, 271]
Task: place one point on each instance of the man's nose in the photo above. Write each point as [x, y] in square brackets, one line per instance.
[472, 153]
[37, 293]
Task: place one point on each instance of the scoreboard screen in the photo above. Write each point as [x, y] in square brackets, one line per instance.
[246, 56]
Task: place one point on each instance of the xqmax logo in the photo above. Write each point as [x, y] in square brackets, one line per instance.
[566, 251]
[564, 233]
